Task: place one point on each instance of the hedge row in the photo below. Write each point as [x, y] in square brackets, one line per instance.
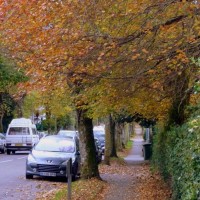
[176, 153]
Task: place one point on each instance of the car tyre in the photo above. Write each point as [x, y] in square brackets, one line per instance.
[29, 176]
[13, 152]
[8, 152]
[74, 172]
[73, 177]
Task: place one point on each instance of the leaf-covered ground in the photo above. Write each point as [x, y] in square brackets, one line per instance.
[135, 182]
[120, 181]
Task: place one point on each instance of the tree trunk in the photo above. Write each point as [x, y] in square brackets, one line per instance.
[119, 137]
[89, 166]
[56, 125]
[1, 123]
[19, 106]
[19, 112]
[180, 101]
[48, 119]
[126, 132]
[107, 142]
[1, 112]
[113, 152]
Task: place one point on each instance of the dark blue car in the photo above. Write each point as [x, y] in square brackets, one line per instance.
[49, 157]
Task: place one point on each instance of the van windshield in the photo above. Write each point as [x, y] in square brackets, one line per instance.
[18, 131]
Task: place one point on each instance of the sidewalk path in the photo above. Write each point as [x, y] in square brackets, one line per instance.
[123, 182]
[136, 154]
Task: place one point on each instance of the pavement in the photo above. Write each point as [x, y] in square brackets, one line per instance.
[123, 182]
[136, 154]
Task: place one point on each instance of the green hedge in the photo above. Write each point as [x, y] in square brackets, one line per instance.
[176, 153]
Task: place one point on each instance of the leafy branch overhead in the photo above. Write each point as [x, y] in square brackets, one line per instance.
[99, 45]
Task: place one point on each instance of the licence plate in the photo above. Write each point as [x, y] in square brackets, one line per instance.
[47, 174]
[18, 144]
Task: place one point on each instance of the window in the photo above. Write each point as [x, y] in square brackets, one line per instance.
[19, 131]
[56, 145]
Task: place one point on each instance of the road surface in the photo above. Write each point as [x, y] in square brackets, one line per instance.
[13, 184]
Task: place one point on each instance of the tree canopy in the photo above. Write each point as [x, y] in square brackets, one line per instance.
[10, 76]
[112, 55]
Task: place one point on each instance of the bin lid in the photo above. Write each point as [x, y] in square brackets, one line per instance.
[146, 144]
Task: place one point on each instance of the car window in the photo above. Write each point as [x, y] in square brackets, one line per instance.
[99, 133]
[19, 131]
[67, 133]
[56, 145]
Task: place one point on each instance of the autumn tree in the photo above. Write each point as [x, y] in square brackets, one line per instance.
[54, 105]
[51, 43]
[146, 53]
[9, 77]
[131, 51]
[150, 55]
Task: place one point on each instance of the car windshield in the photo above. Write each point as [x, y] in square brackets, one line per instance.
[56, 145]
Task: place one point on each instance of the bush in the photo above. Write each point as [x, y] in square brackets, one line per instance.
[176, 153]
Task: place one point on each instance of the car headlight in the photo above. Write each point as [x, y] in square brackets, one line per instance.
[31, 159]
[65, 163]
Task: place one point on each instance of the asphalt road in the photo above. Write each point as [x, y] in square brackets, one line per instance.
[13, 184]
[12, 179]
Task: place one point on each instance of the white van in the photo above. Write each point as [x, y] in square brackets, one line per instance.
[21, 135]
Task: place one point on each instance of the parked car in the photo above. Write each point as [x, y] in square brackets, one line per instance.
[99, 133]
[42, 134]
[21, 135]
[99, 150]
[2, 143]
[49, 157]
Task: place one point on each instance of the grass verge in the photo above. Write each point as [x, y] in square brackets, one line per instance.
[91, 189]
[126, 150]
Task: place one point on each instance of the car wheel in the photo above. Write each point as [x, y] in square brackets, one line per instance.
[8, 152]
[74, 172]
[100, 158]
[13, 152]
[73, 177]
[29, 176]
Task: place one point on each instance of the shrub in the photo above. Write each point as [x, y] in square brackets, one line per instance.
[176, 153]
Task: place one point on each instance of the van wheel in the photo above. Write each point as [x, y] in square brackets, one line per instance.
[29, 176]
[3, 150]
[8, 152]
